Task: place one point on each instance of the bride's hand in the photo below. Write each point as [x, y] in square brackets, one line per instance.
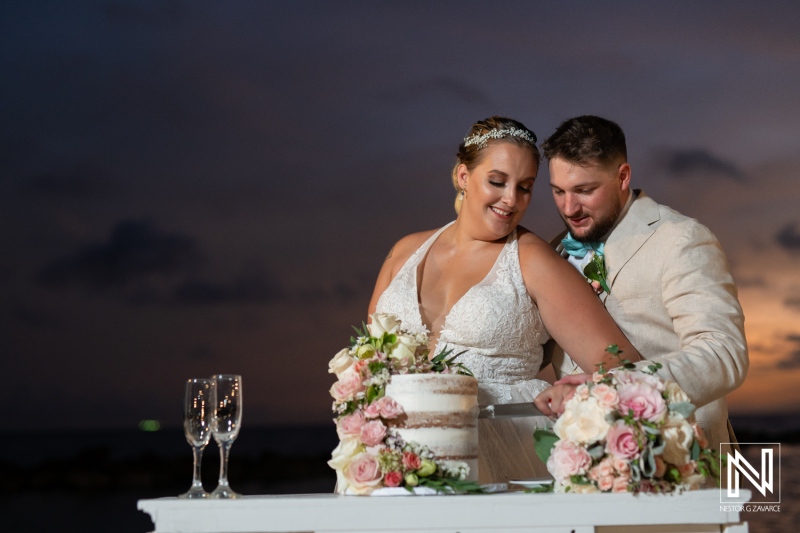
[552, 400]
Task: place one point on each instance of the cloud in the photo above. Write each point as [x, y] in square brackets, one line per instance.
[245, 289]
[792, 303]
[688, 163]
[793, 359]
[788, 237]
[134, 252]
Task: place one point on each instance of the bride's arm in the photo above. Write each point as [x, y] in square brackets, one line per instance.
[570, 310]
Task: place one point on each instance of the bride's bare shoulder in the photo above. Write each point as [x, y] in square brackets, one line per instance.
[406, 246]
[533, 250]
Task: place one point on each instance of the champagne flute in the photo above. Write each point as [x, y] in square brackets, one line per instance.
[227, 419]
[198, 421]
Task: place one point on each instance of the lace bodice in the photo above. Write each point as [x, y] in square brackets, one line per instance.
[495, 322]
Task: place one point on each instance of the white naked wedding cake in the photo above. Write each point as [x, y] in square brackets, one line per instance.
[441, 412]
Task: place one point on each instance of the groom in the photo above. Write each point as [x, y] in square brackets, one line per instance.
[670, 287]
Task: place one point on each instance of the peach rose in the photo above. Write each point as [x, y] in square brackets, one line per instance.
[620, 484]
[605, 483]
[411, 461]
[621, 466]
[393, 478]
[661, 467]
[678, 437]
[606, 395]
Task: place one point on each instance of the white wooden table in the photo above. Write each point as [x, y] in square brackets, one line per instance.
[696, 511]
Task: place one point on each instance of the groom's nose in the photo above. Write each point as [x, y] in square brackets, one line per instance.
[571, 205]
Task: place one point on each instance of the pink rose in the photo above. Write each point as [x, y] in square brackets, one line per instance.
[348, 385]
[597, 377]
[645, 401]
[372, 410]
[373, 432]
[627, 377]
[389, 408]
[620, 484]
[350, 425]
[393, 478]
[605, 483]
[411, 461]
[621, 441]
[568, 459]
[606, 395]
[363, 473]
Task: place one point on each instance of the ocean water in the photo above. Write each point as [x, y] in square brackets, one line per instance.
[87, 481]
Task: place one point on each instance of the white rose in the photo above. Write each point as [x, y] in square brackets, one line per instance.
[340, 362]
[675, 393]
[342, 455]
[404, 349]
[678, 436]
[583, 422]
[383, 323]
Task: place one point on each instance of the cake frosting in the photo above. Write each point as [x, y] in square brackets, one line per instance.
[441, 412]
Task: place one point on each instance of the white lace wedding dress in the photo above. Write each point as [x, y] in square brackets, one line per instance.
[500, 328]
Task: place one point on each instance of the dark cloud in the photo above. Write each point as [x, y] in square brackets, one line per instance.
[793, 359]
[246, 289]
[687, 163]
[134, 252]
[788, 237]
[792, 303]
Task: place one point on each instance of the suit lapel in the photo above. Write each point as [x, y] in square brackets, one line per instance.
[630, 234]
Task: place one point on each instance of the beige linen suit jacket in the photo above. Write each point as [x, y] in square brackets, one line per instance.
[673, 296]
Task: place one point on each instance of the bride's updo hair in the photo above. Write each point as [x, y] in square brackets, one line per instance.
[482, 134]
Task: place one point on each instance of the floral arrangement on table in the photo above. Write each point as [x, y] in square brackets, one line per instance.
[370, 454]
[627, 430]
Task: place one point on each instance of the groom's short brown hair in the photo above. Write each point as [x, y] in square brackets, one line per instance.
[587, 139]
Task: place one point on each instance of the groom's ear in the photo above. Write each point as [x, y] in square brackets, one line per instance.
[624, 175]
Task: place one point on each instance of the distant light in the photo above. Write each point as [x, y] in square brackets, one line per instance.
[149, 425]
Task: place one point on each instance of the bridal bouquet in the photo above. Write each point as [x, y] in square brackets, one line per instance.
[371, 455]
[627, 431]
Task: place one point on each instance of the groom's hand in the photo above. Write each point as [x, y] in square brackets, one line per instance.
[552, 400]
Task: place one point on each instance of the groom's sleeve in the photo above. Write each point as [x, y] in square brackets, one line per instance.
[700, 296]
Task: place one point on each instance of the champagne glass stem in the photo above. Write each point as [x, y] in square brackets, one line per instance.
[197, 484]
[224, 452]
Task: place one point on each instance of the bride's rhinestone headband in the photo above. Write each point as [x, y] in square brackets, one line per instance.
[482, 140]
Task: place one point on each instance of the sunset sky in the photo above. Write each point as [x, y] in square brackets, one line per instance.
[189, 188]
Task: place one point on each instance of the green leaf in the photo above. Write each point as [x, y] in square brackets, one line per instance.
[685, 409]
[543, 442]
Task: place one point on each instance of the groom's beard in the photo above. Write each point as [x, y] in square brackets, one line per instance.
[599, 229]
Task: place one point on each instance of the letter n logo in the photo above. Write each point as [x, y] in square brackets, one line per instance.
[763, 479]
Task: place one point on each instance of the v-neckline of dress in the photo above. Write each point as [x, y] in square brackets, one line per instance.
[421, 265]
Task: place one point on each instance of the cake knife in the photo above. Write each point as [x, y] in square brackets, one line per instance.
[509, 410]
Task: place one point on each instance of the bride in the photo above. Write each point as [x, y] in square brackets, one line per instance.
[487, 286]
